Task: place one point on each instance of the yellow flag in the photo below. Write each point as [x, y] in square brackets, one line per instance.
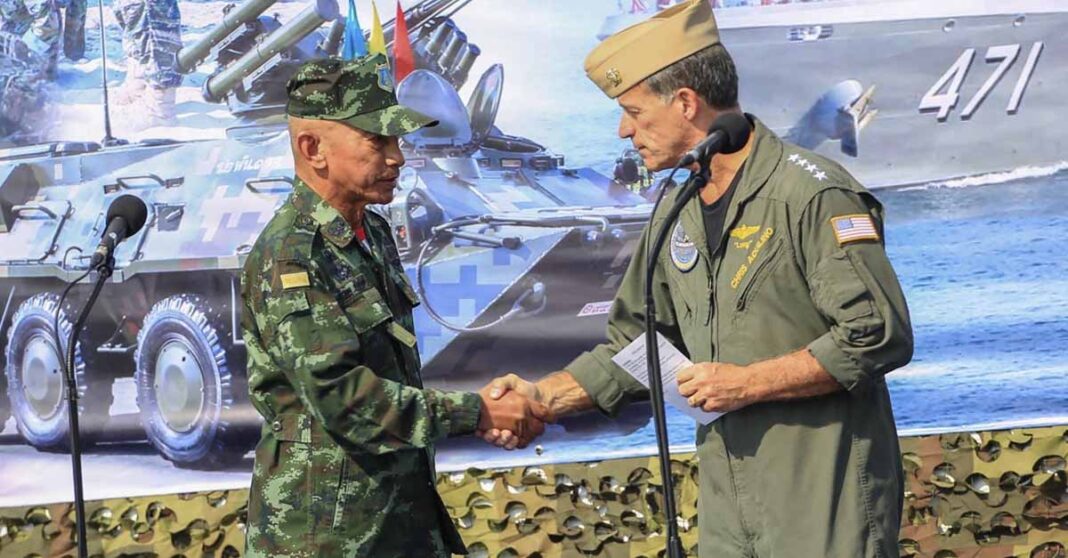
[378, 38]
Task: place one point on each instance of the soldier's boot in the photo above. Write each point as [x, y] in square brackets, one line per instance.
[132, 88]
[161, 104]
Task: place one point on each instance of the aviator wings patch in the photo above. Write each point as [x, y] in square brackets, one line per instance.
[743, 232]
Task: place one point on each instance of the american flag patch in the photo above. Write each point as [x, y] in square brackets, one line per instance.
[850, 228]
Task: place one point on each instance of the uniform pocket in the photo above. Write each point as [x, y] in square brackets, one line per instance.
[366, 310]
[758, 275]
[281, 306]
[844, 294]
[281, 485]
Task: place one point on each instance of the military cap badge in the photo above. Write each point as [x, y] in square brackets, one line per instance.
[613, 77]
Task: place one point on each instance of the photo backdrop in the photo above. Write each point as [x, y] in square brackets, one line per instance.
[948, 111]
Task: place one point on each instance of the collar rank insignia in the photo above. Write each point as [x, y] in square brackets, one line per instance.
[683, 251]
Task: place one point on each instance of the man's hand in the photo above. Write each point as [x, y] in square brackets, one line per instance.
[523, 418]
[559, 392]
[715, 386]
[499, 387]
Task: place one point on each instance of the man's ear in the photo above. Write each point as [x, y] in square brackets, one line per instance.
[310, 148]
[689, 103]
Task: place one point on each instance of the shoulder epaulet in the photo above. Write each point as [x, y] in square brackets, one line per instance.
[806, 174]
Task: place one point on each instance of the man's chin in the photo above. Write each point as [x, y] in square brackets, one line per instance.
[385, 198]
[656, 165]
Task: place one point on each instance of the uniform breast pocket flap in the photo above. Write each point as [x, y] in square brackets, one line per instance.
[285, 305]
[367, 310]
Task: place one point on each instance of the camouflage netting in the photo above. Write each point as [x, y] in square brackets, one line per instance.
[979, 495]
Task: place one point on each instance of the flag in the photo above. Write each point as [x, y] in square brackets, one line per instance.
[403, 58]
[849, 228]
[354, 45]
[377, 44]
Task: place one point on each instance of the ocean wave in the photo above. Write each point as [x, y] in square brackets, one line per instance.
[1000, 177]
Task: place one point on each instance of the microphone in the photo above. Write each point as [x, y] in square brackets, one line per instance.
[126, 215]
[728, 134]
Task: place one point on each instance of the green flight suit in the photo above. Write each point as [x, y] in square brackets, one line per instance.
[345, 463]
[813, 478]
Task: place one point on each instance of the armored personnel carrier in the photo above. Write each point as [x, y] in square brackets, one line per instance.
[515, 254]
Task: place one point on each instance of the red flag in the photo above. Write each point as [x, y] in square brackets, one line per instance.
[403, 58]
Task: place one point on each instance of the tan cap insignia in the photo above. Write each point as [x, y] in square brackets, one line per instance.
[613, 78]
[645, 48]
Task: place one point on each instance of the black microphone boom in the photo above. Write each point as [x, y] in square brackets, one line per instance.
[126, 215]
[728, 134]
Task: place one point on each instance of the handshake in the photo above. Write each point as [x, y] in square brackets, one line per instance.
[513, 413]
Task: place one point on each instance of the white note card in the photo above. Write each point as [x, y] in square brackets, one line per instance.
[632, 359]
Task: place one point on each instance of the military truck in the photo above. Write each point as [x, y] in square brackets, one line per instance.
[515, 255]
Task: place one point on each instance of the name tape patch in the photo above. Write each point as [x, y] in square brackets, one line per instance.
[295, 280]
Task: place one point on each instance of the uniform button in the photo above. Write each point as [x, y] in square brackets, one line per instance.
[276, 426]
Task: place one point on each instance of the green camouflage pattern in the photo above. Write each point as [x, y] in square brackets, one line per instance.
[345, 463]
[780, 281]
[357, 92]
[151, 39]
[999, 494]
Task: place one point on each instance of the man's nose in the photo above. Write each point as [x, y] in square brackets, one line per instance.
[394, 155]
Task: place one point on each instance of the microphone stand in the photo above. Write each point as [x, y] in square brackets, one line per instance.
[652, 355]
[104, 271]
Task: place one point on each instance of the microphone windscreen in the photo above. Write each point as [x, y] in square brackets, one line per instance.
[736, 127]
[132, 210]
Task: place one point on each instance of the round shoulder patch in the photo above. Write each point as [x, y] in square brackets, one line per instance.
[683, 252]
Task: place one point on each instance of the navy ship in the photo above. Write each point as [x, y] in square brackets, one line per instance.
[901, 91]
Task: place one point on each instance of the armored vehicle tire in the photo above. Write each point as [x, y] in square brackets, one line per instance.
[36, 388]
[186, 392]
[5, 403]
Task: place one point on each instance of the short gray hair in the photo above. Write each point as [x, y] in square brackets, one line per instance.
[710, 72]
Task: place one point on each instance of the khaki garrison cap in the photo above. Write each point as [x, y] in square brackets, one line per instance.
[639, 51]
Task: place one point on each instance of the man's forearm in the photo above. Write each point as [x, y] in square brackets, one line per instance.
[562, 394]
[793, 376]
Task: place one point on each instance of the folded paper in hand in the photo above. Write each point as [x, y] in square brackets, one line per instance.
[632, 359]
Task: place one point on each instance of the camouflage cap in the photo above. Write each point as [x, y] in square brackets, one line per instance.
[357, 92]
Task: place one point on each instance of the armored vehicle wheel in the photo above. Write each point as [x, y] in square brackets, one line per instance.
[185, 390]
[5, 403]
[37, 391]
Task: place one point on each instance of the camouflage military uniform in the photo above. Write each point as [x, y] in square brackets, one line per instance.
[74, 28]
[37, 23]
[29, 46]
[345, 466]
[151, 39]
[801, 264]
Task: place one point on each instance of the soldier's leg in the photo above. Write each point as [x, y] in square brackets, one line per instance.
[162, 39]
[43, 37]
[721, 532]
[810, 510]
[74, 29]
